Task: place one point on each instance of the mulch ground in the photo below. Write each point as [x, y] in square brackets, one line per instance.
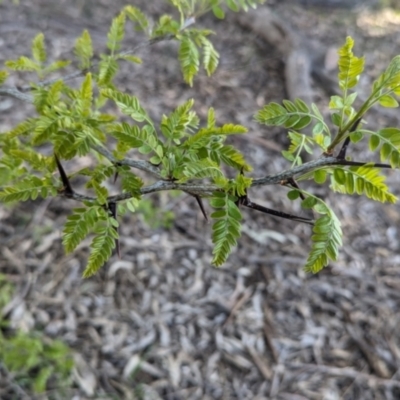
[161, 323]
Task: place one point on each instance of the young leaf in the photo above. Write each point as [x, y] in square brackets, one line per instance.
[101, 248]
[116, 33]
[38, 49]
[189, 59]
[327, 239]
[226, 228]
[78, 226]
[3, 76]
[84, 50]
[350, 66]
[138, 18]
[363, 180]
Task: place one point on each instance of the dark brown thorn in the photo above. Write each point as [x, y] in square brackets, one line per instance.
[115, 176]
[201, 205]
[116, 172]
[343, 150]
[112, 208]
[275, 213]
[67, 189]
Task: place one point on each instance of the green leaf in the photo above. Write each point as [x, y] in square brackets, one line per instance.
[327, 238]
[389, 138]
[101, 248]
[204, 168]
[226, 228]
[218, 12]
[131, 58]
[116, 33]
[22, 64]
[28, 188]
[138, 18]
[320, 176]
[39, 49]
[3, 76]
[78, 226]
[293, 194]
[367, 179]
[40, 381]
[350, 66]
[230, 156]
[84, 49]
[129, 105]
[339, 175]
[133, 137]
[356, 136]
[388, 101]
[189, 59]
[108, 68]
[309, 202]
[210, 56]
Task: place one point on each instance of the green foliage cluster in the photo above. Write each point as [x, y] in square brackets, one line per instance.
[181, 151]
[34, 362]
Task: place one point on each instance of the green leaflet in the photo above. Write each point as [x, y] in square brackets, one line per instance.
[230, 156]
[140, 21]
[131, 136]
[189, 58]
[210, 56]
[102, 246]
[226, 228]
[129, 105]
[108, 68]
[36, 160]
[204, 168]
[84, 49]
[362, 180]
[3, 76]
[116, 33]
[205, 135]
[292, 115]
[38, 49]
[36, 64]
[327, 239]
[182, 119]
[237, 5]
[28, 188]
[389, 80]
[131, 183]
[350, 66]
[78, 226]
[389, 139]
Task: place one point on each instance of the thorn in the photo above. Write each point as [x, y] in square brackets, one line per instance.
[67, 189]
[343, 150]
[115, 176]
[200, 203]
[280, 214]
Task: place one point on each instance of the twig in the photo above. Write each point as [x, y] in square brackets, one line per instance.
[309, 166]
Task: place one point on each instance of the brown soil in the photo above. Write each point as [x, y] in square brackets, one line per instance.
[161, 322]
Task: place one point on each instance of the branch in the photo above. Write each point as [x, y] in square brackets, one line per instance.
[309, 166]
[16, 93]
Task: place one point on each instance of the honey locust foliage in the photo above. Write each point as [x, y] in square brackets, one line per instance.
[178, 150]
